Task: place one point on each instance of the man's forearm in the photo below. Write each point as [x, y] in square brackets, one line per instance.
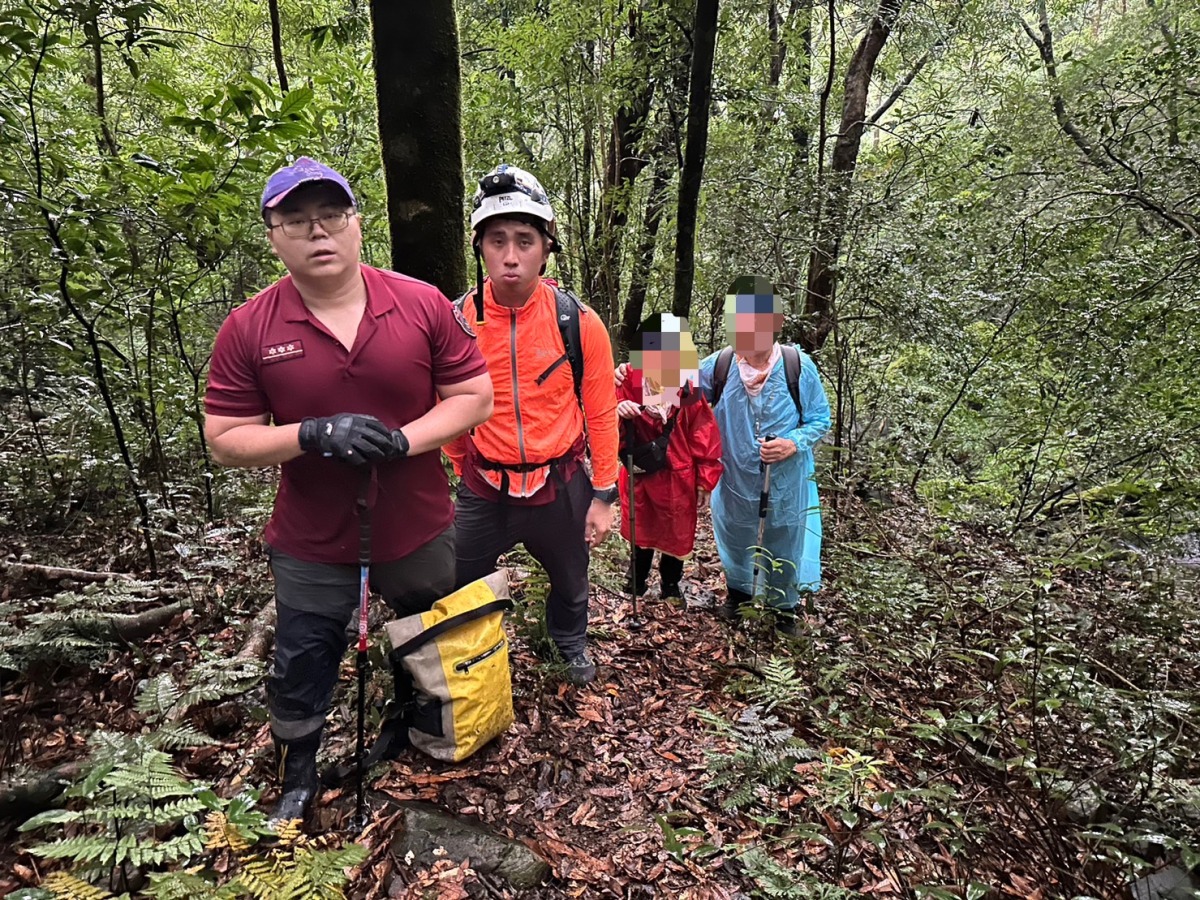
[249, 446]
[447, 420]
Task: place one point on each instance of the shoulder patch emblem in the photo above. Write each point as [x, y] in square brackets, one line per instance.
[462, 320]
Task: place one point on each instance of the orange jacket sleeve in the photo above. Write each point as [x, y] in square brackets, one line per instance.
[599, 399]
[455, 451]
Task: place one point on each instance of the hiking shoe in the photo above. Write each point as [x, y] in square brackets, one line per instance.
[580, 669]
[672, 591]
[730, 610]
[785, 621]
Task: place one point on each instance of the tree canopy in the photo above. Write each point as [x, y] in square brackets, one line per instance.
[983, 217]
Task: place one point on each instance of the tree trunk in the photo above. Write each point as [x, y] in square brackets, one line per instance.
[418, 92]
[644, 258]
[820, 302]
[704, 45]
[277, 45]
[621, 168]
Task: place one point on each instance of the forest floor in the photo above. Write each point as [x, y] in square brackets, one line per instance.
[839, 759]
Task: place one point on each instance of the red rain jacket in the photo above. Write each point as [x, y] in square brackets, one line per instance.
[666, 500]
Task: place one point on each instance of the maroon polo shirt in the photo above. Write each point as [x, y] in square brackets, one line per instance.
[273, 356]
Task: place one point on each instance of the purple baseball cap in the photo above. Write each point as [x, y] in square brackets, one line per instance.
[303, 171]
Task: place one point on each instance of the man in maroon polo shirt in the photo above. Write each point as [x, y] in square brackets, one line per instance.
[350, 379]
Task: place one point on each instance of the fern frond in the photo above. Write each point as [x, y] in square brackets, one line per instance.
[178, 736]
[764, 756]
[221, 834]
[172, 850]
[186, 884]
[289, 833]
[68, 887]
[84, 848]
[159, 696]
[142, 812]
[324, 871]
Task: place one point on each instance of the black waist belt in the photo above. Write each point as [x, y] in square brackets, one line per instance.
[488, 465]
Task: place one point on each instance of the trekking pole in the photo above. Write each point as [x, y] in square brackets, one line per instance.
[635, 622]
[364, 570]
[763, 495]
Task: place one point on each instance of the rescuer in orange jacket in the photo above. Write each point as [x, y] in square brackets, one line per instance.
[524, 472]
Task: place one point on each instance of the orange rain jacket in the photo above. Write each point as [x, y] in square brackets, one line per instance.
[538, 423]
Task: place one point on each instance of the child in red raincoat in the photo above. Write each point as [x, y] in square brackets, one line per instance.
[673, 475]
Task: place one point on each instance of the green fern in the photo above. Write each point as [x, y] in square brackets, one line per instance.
[163, 698]
[159, 696]
[177, 736]
[133, 793]
[764, 756]
[218, 677]
[781, 686]
[188, 884]
[72, 628]
[773, 879]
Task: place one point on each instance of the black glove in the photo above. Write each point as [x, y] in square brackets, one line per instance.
[349, 437]
[399, 444]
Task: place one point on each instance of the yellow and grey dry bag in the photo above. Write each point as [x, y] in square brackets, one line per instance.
[457, 657]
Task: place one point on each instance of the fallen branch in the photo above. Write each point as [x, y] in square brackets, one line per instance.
[134, 627]
[58, 573]
[262, 634]
[23, 799]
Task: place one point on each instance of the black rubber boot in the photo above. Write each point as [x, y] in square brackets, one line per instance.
[296, 765]
[670, 570]
[785, 621]
[729, 610]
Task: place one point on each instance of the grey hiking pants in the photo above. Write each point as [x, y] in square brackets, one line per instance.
[553, 535]
[316, 602]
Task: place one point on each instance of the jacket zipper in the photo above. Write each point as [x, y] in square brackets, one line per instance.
[512, 351]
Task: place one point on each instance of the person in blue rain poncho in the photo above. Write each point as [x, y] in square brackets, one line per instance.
[755, 402]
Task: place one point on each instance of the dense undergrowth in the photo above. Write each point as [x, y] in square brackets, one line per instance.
[967, 714]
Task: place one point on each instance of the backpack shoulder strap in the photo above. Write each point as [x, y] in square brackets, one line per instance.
[568, 312]
[461, 303]
[720, 373]
[791, 368]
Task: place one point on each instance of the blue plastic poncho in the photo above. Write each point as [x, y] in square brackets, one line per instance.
[792, 537]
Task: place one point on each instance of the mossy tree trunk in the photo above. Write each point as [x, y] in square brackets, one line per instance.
[418, 92]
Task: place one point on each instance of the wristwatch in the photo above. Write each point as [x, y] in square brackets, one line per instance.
[608, 495]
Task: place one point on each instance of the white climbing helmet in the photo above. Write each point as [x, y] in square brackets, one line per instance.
[511, 192]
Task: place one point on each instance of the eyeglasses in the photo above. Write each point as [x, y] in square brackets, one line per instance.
[331, 223]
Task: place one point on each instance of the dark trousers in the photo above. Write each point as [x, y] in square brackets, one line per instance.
[670, 568]
[553, 535]
[315, 602]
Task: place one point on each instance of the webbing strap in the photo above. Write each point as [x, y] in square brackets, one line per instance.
[449, 624]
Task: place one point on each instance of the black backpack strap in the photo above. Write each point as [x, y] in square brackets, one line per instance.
[448, 624]
[461, 303]
[791, 368]
[669, 425]
[720, 373]
[569, 310]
